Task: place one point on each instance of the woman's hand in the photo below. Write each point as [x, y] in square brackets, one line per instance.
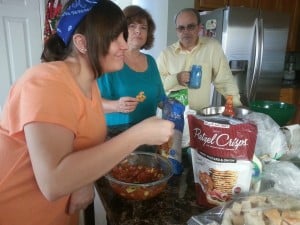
[126, 104]
[81, 199]
[154, 131]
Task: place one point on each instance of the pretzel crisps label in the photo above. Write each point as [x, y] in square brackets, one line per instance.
[220, 138]
[222, 152]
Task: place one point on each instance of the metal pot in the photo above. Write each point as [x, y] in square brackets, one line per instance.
[217, 110]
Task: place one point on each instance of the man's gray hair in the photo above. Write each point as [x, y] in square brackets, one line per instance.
[192, 10]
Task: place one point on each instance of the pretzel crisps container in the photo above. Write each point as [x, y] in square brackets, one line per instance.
[222, 154]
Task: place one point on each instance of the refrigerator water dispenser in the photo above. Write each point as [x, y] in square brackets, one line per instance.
[239, 70]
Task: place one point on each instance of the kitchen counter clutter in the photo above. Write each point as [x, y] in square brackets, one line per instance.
[175, 205]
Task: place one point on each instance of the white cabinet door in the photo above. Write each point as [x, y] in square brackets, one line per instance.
[21, 39]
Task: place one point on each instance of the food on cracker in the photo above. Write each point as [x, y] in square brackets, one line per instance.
[141, 96]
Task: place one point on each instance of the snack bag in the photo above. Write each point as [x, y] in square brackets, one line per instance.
[180, 95]
[223, 149]
[173, 110]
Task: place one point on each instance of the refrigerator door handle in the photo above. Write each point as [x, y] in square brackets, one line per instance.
[258, 57]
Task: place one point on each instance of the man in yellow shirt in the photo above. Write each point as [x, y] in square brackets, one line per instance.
[175, 63]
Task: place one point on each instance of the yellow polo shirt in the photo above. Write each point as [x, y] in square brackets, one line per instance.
[215, 69]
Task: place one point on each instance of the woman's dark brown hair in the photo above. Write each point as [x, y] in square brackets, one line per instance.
[136, 14]
[102, 25]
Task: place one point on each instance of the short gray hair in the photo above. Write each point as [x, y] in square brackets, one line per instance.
[192, 10]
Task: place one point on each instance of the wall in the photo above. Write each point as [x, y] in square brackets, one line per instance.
[163, 12]
[122, 3]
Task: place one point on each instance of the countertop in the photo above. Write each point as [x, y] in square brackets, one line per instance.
[175, 205]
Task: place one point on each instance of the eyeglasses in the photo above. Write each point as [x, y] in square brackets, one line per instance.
[189, 27]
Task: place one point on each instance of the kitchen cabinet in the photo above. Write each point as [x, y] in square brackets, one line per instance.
[292, 95]
[213, 4]
[289, 95]
[209, 4]
[292, 8]
[244, 3]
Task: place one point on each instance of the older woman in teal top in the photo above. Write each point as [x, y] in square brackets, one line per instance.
[119, 89]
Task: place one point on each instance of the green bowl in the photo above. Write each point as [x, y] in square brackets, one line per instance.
[280, 112]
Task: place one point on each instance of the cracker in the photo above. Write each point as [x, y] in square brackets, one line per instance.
[141, 96]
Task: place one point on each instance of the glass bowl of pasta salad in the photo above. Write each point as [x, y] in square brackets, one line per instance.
[140, 176]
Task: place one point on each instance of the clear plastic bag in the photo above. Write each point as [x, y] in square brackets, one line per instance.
[255, 209]
[271, 142]
[292, 134]
[283, 176]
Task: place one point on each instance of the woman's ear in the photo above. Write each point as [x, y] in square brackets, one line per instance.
[80, 43]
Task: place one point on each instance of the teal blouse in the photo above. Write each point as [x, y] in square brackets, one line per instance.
[127, 82]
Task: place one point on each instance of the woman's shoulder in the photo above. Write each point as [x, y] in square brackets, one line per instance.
[150, 58]
[50, 73]
[47, 69]
[38, 71]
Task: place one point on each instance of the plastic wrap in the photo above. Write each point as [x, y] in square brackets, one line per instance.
[271, 142]
[292, 134]
[283, 176]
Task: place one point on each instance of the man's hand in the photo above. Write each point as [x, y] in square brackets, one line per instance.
[183, 78]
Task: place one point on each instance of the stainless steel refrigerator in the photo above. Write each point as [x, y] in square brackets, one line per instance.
[254, 42]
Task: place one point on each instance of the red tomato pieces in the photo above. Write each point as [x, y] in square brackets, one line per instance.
[136, 174]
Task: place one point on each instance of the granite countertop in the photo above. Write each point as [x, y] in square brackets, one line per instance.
[175, 205]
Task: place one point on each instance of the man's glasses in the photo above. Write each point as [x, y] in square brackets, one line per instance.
[189, 27]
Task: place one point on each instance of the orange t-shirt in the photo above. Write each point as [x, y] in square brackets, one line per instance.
[47, 93]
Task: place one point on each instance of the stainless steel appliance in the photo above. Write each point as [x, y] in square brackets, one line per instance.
[254, 42]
